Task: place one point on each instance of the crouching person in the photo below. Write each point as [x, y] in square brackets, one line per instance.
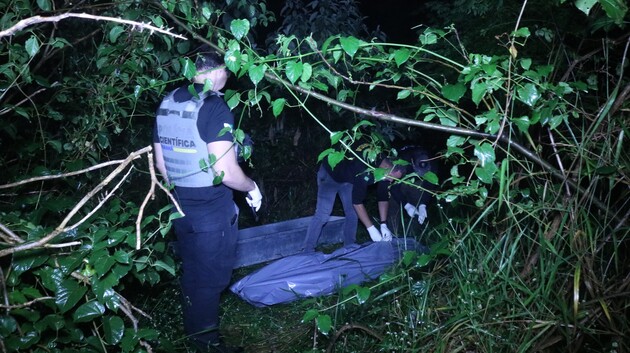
[412, 200]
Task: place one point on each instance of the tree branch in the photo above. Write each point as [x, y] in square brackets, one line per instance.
[39, 19]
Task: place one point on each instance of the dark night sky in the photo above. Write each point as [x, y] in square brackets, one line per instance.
[395, 17]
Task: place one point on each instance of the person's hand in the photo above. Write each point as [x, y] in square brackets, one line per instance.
[422, 213]
[386, 233]
[254, 198]
[375, 235]
[411, 209]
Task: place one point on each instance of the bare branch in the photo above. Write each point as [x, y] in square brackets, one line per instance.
[39, 19]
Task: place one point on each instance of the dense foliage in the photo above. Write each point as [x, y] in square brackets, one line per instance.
[529, 236]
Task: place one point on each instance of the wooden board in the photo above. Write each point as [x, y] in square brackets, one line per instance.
[276, 240]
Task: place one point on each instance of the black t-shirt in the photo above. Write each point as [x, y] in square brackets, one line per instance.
[214, 116]
[356, 173]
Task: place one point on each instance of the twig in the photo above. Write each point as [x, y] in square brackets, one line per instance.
[39, 19]
[63, 245]
[11, 237]
[560, 165]
[50, 177]
[24, 305]
[150, 195]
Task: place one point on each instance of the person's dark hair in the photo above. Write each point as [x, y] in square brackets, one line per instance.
[207, 59]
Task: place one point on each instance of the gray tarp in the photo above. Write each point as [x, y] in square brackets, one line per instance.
[316, 274]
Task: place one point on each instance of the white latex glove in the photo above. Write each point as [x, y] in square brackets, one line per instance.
[387, 234]
[422, 213]
[411, 209]
[375, 235]
[254, 198]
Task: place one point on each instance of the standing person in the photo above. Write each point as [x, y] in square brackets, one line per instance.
[350, 180]
[190, 127]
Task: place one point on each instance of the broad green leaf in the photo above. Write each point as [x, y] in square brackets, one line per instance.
[88, 311]
[32, 46]
[401, 56]
[403, 94]
[233, 57]
[363, 294]
[615, 9]
[310, 315]
[234, 100]
[294, 70]
[431, 178]
[256, 73]
[526, 63]
[522, 32]
[455, 141]
[408, 257]
[239, 28]
[278, 106]
[486, 172]
[522, 123]
[307, 72]
[334, 158]
[350, 45]
[428, 37]
[68, 294]
[485, 153]
[454, 92]
[188, 68]
[115, 32]
[324, 323]
[380, 174]
[335, 136]
[585, 5]
[113, 329]
[423, 260]
[478, 91]
[7, 325]
[528, 94]
[163, 265]
[44, 5]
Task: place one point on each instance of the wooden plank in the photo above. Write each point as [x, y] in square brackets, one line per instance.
[276, 240]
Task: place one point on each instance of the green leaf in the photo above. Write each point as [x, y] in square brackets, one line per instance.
[233, 57]
[239, 28]
[403, 94]
[188, 68]
[278, 106]
[615, 9]
[454, 92]
[310, 315]
[32, 46]
[478, 91]
[401, 56]
[522, 33]
[115, 32]
[44, 5]
[335, 136]
[307, 72]
[294, 70]
[68, 294]
[334, 158]
[428, 37]
[350, 45]
[380, 174]
[163, 265]
[522, 123]
[431, 178]
[585, 5]
[528, 94]
[324, 323]
[256, 73]
[113, 329]
[363, 294]
[423, 260]
[88, 311]
[485, 153]
[8, 325]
